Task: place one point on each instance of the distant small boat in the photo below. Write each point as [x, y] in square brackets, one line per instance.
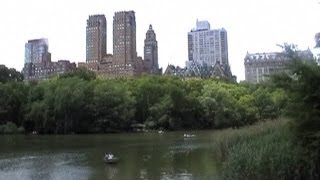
[189, 135]
[110, 158]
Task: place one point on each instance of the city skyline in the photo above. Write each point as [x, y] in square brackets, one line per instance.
[253, 26]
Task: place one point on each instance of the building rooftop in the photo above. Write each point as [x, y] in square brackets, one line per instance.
[271, 56]
[203, 25]
[38, 40]
[264, 56]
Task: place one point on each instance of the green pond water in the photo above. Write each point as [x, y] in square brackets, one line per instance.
[142, 156]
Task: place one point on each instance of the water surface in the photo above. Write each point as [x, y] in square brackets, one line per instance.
[142, 156]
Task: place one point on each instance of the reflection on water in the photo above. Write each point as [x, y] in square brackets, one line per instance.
[111, 171]
[184, 176]
[46, 166]
[142, 156]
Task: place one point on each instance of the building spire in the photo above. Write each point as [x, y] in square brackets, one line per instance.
[150, 27]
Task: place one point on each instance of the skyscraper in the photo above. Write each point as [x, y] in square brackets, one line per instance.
[36, 51]
[96, 38]
[151, 50]
[124, 38]
[206, 46]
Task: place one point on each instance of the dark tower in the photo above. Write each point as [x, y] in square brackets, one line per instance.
[124, 38]
[151, 50]
[96, 38]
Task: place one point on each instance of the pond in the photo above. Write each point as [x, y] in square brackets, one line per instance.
[141, 156]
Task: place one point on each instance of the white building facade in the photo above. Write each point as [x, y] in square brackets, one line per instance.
[206, 46]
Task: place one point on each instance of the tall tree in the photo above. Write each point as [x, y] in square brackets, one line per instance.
[302, 83]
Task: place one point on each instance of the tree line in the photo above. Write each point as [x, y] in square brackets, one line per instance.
[79, 102]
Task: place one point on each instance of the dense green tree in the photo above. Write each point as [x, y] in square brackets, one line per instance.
[147, 93]
[113, 107]
[13, 98]
[221, 106]
[77, 102]
[82, 73]
[160, 114]
[247, 109]
[280, 101]
[264, 103]
[7, 75]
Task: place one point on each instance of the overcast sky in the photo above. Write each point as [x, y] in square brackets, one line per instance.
[252, 25]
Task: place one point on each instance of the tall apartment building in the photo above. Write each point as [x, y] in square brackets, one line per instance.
[38, 65]
[151, 50]
[259, 65]
[206, 46]
[96, 38]
[124, 38]
[37, 51]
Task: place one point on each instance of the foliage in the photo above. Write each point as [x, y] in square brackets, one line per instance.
[77, 102]
[12, 100]
[301, 84]
[113, 106]
[220, 106]
[264, 104]
[9, 75]
[60, 106]
[21, 130]
[8, 128]
[81, 73]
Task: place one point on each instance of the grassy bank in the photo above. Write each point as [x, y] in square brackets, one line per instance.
[261, 151]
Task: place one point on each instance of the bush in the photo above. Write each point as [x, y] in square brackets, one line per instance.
[21, 130]
[2, 127]
[10, 128]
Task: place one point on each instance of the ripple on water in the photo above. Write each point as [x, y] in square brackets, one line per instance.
[180, 176]
[44, 166]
